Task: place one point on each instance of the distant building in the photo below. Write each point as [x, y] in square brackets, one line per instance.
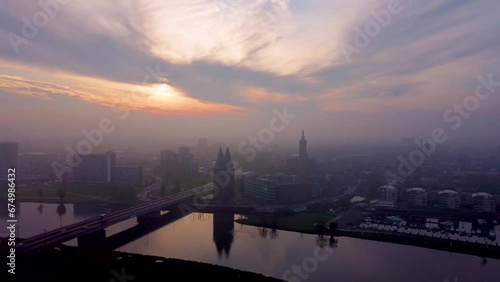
[95, 168]
[128, 175]
[36, 165]
[416, 197]
[244, 178]
[185, 162]
[224, 176]
[8, 158]
[277, 188]
[449, 199]
[178, 165]
[388, 193]
[202, 150]
[260, 188]
[168, 166]
[301, 165]
[483, 202]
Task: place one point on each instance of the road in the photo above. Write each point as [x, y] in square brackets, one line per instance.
[145, 195]
[94, 224]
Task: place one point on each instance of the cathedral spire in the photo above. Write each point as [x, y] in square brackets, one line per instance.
[303, 147]
[220, 162]
[228, 161]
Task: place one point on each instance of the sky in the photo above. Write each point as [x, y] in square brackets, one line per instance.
[172, 71]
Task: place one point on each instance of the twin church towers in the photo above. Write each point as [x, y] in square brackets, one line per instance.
[224, 171]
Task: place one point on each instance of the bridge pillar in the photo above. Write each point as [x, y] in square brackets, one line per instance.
[150, 217]
[92, 239]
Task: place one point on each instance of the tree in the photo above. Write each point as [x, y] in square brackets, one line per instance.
[321, 241]
[40, 194]
[332, 242]
[333, 225]
[262, 231]
[61, 191]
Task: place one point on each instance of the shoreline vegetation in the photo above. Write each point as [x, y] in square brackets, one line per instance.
[101, 193]
[307, 224]
[66, 263]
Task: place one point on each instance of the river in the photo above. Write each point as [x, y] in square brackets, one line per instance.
[216, 239]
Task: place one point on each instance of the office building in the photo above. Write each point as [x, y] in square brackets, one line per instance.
[8, 158]
[95, 168]
[483, 202]
[128, 175]
[448, 199]
[387, 193]
[416, 197]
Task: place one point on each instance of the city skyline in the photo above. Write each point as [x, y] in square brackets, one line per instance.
[253, 140]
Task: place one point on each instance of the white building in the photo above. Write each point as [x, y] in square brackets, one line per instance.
[483, 202]
[388, 193]
[449, 199]
[416, 197]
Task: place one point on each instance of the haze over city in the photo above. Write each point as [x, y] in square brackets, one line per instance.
[250, 140]
[218, 69]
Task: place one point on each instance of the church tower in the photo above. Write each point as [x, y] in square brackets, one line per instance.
[303, 147]
[224, 176]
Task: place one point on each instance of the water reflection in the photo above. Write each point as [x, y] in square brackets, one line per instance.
[40, 208]
[193, 238]
[223, 233]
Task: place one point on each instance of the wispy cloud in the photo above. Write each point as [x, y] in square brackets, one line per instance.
[240, 57]
[157, 98]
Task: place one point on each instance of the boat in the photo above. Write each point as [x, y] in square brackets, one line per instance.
[473, 232]
[478, 231]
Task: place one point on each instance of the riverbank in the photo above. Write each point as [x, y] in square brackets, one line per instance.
[77, 194]
[308, 223]
[76, 264]
[311, 227]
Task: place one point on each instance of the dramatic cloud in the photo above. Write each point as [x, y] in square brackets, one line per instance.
[327, 59]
